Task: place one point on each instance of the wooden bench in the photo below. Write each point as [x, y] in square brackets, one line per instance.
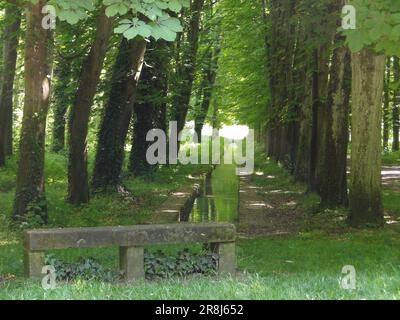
[131, 240]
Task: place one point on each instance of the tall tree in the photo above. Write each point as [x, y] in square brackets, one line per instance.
[281, 51]
[386, 104]
[11, 36]
[333, 123]
[210, 39]
[78, 185]
[62, 103]
[365, 187]
[71, 43]
[162, 61]
[304, 80]
[114, 125]
[333, 162]
[187, 65]
[30, 190]
[368, 66]
[149, 106]
[324, 36]
[207, 89]
[396, 104]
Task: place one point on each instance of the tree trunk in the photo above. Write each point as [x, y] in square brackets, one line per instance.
[30, 193]
[138, 164]
[333, 173]
[161, 57]
[78, 185]
[282, 53]
[62, 103]
[365, 189]
[396, 105]
[207, 88]
[312, 181]
[386, 106]
[304, 80]
[187, 66]
[302, 164]
[151, 97]
[113, 130]
[10, 45]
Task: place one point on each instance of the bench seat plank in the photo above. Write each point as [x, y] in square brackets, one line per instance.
[126, 236]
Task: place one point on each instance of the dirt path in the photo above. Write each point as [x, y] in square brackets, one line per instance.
[391, 177]
[276, 212]
[266, 212]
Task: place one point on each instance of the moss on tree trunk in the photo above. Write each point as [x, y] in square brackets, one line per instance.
[30, 190]
[11, 37]
[118, 112]
[149, 106]
[78, 185]
[62, 102]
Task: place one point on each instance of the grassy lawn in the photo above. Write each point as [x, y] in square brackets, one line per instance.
[391, 158]
[104, 209]
[302, 266]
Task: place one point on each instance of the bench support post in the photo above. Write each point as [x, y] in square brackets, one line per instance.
[132, 263]
[34, 262]
[227, 258]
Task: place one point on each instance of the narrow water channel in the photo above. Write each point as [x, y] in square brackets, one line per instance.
[219, 200]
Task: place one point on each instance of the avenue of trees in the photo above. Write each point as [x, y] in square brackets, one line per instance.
[321, 97]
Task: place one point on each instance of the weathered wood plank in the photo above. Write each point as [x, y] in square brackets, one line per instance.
[141, 235]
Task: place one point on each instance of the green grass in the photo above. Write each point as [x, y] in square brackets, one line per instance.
[304, 266]
[391, 158]
[391, 202]
[104, 209]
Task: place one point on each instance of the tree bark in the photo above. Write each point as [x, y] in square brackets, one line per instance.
[333, 170]
[10, 45]
[302, 163]
[365, 188]
[148, 107]
[113, 130]
[187, 66]
[283, 52]
[161, 56]
[386, 105]
[207, 88]
[138, 164]
[30, 190]
[312, 179]
[78, 185]
[62, 103]
[304, 83]
[396, 105]
[321, 112]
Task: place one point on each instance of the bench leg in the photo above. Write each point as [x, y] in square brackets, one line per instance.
[33, 263]
[132, 263]
[227, 258]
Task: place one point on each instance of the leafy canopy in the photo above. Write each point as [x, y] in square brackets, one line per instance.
[151, 17]
[378, 26]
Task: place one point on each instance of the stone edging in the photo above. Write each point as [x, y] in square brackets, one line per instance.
[180, 202]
